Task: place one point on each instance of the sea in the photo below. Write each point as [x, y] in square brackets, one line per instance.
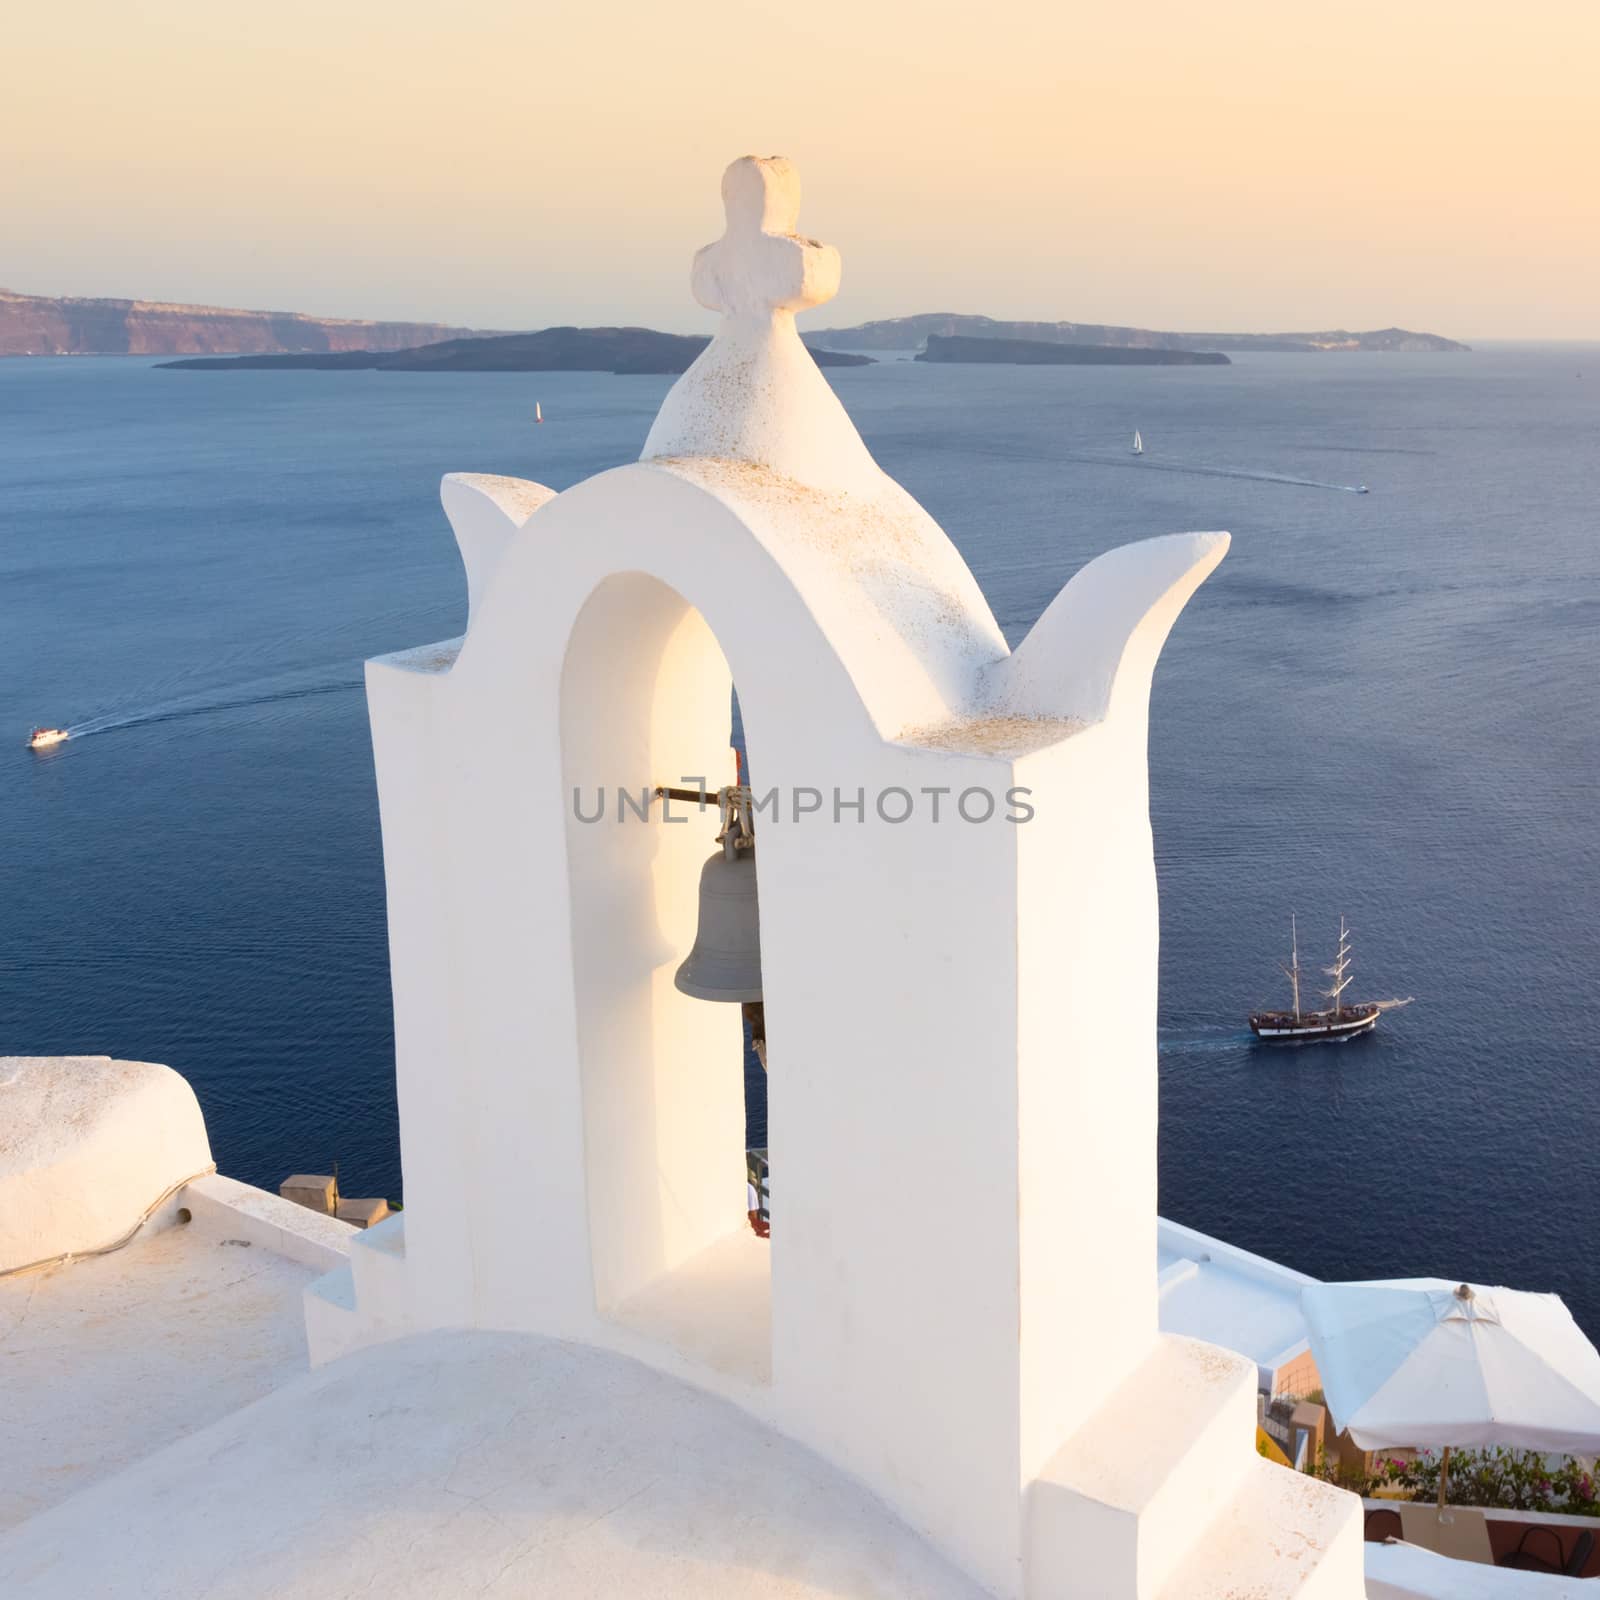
[1382, 706]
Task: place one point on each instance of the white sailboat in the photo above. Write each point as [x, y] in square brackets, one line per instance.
[1138, 443]
[538, 412]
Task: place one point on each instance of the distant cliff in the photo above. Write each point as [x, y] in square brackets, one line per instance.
[620, 350]
[909, 333]
[1045, 353]
[44, 325]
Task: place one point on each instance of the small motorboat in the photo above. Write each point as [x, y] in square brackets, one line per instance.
[43, 738]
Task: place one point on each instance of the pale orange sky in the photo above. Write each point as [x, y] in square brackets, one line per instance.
[1233, 165]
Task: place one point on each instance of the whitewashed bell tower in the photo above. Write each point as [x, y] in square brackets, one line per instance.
[958, 1304]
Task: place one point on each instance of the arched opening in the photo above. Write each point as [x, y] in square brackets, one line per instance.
[645, 695]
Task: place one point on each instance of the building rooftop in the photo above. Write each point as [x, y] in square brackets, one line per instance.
[465, 1463]
[1217, 1292]
[106, 1359]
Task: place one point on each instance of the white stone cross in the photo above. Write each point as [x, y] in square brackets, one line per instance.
[760, 267]
[755, 393]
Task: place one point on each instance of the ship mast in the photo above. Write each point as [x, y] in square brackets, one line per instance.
[1340, 969]
[1292, 971]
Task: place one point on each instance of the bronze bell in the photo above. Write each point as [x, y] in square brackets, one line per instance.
[725, 963]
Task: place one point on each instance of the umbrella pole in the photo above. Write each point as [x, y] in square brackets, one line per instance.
[1444, 1475]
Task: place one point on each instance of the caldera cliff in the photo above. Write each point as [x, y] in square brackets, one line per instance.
[52, 325]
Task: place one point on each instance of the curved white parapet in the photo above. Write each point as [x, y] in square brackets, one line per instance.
[1097, 642]
[486, 512]
[88, 1148]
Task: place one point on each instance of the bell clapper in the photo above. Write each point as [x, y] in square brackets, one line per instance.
[755, 1013]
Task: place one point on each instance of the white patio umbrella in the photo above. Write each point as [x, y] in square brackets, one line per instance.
[1422, 1362]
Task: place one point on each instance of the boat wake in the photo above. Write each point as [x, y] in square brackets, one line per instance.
[1210, 1042]
[1202, 469]
[178, 710]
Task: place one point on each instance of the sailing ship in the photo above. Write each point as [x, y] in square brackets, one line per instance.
[1342, 1020]
[538, 412]
[1138, 443]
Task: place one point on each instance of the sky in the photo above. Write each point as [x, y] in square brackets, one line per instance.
[1232, 165]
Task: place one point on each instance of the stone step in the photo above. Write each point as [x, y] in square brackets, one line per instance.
[1123, 1500]
[332, 1326]
[1283, 1534]
[378, 1261]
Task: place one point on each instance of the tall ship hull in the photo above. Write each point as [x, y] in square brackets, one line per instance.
[1283, 1027]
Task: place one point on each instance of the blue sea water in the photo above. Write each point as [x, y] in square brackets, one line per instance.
[1383, 706]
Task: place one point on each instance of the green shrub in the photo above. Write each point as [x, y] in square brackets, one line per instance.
[1516, 1480]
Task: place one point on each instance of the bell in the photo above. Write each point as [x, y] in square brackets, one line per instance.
[725, 963]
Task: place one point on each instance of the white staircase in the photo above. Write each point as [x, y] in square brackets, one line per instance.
[364, 1301]
[1161, 1496]
[1282, 1533]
